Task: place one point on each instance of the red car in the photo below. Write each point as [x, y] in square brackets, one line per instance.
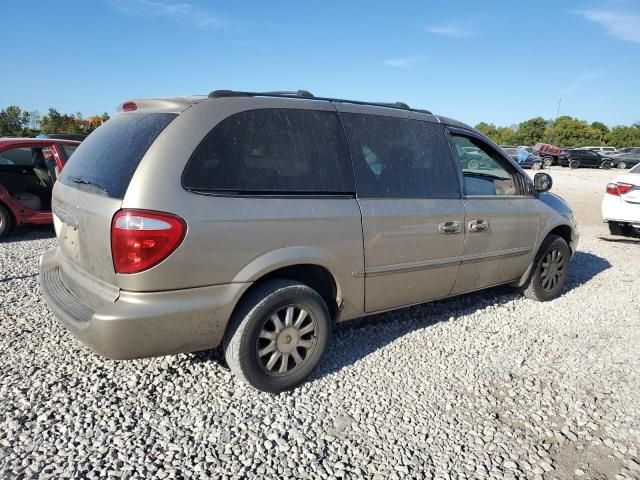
[548, 152]
[28, 169]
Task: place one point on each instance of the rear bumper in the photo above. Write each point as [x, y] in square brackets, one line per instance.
[617, 210]
[142, 324]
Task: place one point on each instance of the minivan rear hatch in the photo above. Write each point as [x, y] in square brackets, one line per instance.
[90, 191]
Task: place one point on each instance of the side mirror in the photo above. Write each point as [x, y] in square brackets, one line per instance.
[542, 182]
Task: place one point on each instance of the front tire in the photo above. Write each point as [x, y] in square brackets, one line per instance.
[536, 166]
[574, 164]
[549, 271]
[548, 161]
[277, 335]
[606, 164]
[622, 165]
[5, 222]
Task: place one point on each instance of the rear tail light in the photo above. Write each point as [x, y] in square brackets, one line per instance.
[618, 189]
[141, 239]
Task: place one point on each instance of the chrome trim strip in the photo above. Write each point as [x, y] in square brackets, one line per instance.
[440, 262]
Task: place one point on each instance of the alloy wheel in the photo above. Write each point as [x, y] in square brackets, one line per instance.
[286, 340]
[553, 270]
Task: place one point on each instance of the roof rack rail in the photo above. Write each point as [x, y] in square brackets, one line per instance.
[281, 93]
[307, 94]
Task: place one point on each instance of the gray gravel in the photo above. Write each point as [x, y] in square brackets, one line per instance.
[488, 385]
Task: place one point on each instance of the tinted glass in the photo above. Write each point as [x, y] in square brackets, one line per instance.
[18, 156]
[68, 149]
[108, 158]
[482, 168]
[273, 151]
[400, 158]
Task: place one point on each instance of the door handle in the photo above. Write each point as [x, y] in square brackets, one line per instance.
[478, 225]
[450, 227]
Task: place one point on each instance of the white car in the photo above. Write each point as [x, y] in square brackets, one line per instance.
[603, 150]
[621, 204]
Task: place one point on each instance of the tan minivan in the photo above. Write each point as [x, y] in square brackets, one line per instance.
[256, 220]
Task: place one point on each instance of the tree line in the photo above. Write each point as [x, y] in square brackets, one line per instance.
[565, 131]
[15, 122]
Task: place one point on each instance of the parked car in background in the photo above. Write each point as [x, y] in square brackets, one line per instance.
[627, 159]
[524, 158]
[256, 220]
[549, 153]
[603, 150]
[28, 169]
[578, 157]
[625, 150]
[621, 204]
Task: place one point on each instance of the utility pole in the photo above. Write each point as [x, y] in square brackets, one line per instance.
[558, 112]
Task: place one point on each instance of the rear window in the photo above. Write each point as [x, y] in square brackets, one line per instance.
[107, 159]
[273, 151]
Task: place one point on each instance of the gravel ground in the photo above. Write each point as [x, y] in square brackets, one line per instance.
[487, 385]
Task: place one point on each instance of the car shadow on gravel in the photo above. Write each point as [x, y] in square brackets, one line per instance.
[30, 233]
[630, 240]
[387, 327]
[356, 339]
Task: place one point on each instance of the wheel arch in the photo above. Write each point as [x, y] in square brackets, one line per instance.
[308, 265]
[12, 217]
[562, 230]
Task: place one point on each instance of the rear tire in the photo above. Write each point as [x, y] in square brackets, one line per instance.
[622, 165]
[548, 161]
[5, 222]
[550, 270]
[536, 166]
[606, 165]
[267, 344]
[616, 228]
[574, 164]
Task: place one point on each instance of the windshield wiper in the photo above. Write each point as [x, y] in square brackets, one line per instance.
[84, 181]
[482, 175]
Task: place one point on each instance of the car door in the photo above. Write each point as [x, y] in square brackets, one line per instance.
[591, 159]
[501, 221]
[412, 211]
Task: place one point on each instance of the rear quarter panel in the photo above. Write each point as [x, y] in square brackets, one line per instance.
[232, 239]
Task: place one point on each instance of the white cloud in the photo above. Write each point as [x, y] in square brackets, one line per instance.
[406, 62]
[453, 31]
[182, 12]
[620, 25]
[581, 79]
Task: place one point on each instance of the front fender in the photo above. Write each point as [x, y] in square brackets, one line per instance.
[554, 213]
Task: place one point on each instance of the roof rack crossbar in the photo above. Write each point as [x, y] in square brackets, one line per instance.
[307, 94]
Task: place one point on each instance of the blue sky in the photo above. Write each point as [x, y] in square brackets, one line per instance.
[497, 61]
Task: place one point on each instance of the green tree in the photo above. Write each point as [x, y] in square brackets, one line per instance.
[488, 129]
[52, 122]
[622, 136]
[570, 132]
[602, 129]
[532, 131]
[13, 121]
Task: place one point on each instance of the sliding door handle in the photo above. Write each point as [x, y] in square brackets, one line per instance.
[450, 227]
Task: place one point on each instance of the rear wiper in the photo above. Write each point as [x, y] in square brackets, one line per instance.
[85, 181]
